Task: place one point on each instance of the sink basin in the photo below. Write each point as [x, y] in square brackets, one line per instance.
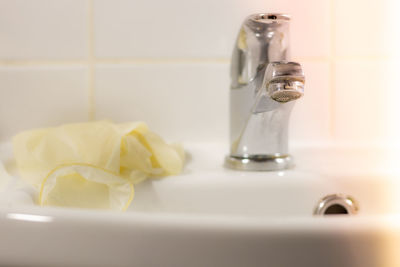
[213, 216]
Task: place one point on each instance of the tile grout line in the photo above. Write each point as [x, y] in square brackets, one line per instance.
[122, 61]
[162, 61]
[332, 72]
[91, 62]
[113, 61]
[39, 63]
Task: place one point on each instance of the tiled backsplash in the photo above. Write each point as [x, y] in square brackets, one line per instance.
[167, 63]
[43, 30]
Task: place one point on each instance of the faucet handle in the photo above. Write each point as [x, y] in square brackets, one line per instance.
[284, 81]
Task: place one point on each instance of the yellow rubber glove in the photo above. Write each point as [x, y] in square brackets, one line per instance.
[129, 151]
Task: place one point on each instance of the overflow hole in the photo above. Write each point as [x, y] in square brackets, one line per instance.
[336, 209]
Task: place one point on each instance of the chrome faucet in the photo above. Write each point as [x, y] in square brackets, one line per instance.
[263, 86]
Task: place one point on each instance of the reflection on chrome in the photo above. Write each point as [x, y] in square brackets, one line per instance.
[29, 217]
[264, 87]
[336, 204]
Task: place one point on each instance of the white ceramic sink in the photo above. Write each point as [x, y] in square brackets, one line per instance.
[212, 216]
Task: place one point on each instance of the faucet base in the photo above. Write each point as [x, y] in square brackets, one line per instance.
[259, 163]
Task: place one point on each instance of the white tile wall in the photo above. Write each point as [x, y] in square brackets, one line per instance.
[366, 28]
[365, 100]
[181, 101]
[43, 29]
[199, 29]
[389, 79]
[43, 96]
[167, 62]
[311, 116]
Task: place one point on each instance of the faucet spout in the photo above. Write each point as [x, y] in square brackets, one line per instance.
[263, 89]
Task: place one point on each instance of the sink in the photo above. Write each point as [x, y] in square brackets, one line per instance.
[213, 216]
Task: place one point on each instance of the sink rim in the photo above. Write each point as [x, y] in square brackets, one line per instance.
[129, 220]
